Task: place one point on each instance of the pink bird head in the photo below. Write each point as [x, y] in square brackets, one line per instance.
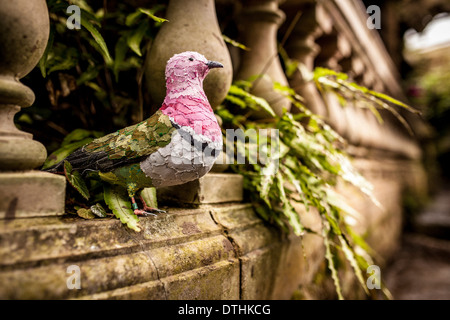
[188, 67]
[186, 102]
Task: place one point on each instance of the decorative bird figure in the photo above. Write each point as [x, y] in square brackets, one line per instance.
[177, 144]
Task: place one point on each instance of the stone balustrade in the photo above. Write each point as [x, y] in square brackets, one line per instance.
[24, 192]
[217, 247]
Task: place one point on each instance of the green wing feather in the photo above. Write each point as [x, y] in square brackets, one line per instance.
[135, 141]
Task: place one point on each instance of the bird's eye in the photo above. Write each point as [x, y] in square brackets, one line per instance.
[191, 59]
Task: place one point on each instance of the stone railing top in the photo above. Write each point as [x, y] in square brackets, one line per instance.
[350, 19]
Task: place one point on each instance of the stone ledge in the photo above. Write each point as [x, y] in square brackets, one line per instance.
[220, 251]
[27, 194]
[211, 188]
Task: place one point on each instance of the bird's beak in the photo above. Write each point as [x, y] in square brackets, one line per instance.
[214, 64]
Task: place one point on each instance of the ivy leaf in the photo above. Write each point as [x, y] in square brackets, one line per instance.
[76, 180]
[116, 199]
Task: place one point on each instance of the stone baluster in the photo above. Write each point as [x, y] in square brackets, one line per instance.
[301, 47]
[258, 24]
[24, 31]
[192, 26]
[332, 50]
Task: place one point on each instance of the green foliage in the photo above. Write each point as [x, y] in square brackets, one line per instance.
[241, 97]
[235, 43]
[346, 90]
[75, 180]
[304, 165]
[92, 74]
[149, 196]
[98, 210]
[117, 200]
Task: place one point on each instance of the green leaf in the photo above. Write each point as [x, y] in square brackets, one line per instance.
[98, 210]
[320, 72]
[338, 201]
[288, 210]
[267, 177]
[80, 134]
[150, 14]
[329, 257]
[260, 102]
[88, 75]
[120, 52]
[85, 213]
[117, 200]
[62, 63]
[393, 101]
[48, 48]
[149, 196]
[76, 180]
[235, 43]
[351, 258]
[296, 183]
[132, 18]
[235, 100]
[135, 38]
[103, 49]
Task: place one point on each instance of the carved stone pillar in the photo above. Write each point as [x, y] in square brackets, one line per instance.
[328, 57]
[363, 128]
[24, 31]
[258, 24]
[192, 26]
[301, 46]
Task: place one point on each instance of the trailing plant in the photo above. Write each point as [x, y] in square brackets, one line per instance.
[306, 163]
[327, 80]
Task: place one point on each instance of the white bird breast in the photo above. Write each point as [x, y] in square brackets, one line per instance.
[180, 161]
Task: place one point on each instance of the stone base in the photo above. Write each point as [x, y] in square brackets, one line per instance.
[212, 188]
[31, 194]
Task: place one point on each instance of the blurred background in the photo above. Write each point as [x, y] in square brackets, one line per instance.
[417, 36]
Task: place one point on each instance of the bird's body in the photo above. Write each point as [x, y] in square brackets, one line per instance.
[178, 144]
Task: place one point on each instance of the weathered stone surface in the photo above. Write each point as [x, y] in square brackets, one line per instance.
[153, 290]
[211, 188]
[215, 282]
[273, 264]
[219, 251]
[31, 194]
[177, 254]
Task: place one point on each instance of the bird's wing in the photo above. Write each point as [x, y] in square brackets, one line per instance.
[125, 146]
